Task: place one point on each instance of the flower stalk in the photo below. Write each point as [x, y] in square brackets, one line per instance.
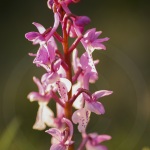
[68, 105]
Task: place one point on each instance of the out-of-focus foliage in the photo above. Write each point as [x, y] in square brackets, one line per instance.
[9, 134]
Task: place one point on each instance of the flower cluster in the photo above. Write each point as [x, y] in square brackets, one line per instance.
[67, 77]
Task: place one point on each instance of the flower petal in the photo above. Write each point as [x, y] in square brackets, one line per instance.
[56, 133]
[95, 107]
[87, 62]
[44, 117]
[42, 56]
[52, 47]
[69, 123]
[102, 138]
[96, 45]
[48, 116]
[56, 65]
[81, 117]
[39, 85]
[89, 35]
[31, 36]
[50, 78]
[75, 60]
[101, 93]
[67, 83]
[40, 28]
[39, 123]
[39, 40]
[62, 90]
[35, 96]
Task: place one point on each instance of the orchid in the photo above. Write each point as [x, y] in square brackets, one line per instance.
[67, 77]
[82, 116]
[95, 140]
[36, 37]
[63, 137]
[93, 105]
[90, 38]
[46, 56]
[44, 115]
[42, 95]
[57, 83]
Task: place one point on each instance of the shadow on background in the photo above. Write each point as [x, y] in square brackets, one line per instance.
[123, 68]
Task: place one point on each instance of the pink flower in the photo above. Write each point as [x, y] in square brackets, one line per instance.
[36, 37]
[92, 104]
[82, 116]
[42, 96]
[43, 35]
[63, 137]
[87, 64]
[46, 56]
[57, 83]
[95, 140]
[88, 74]
[45, 115]
[92, 41]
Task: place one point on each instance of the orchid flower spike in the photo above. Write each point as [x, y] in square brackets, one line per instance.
[65, 80]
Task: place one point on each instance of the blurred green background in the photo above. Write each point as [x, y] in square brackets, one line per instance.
[123, 68]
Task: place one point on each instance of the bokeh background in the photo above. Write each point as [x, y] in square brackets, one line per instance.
[123, 68]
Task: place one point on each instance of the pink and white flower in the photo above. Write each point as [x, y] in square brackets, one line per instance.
[95, 140]
[92, 41]
[63, 138]
[82, 116]
[45, 115]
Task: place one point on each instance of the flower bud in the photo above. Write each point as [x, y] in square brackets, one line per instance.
[82, 21]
